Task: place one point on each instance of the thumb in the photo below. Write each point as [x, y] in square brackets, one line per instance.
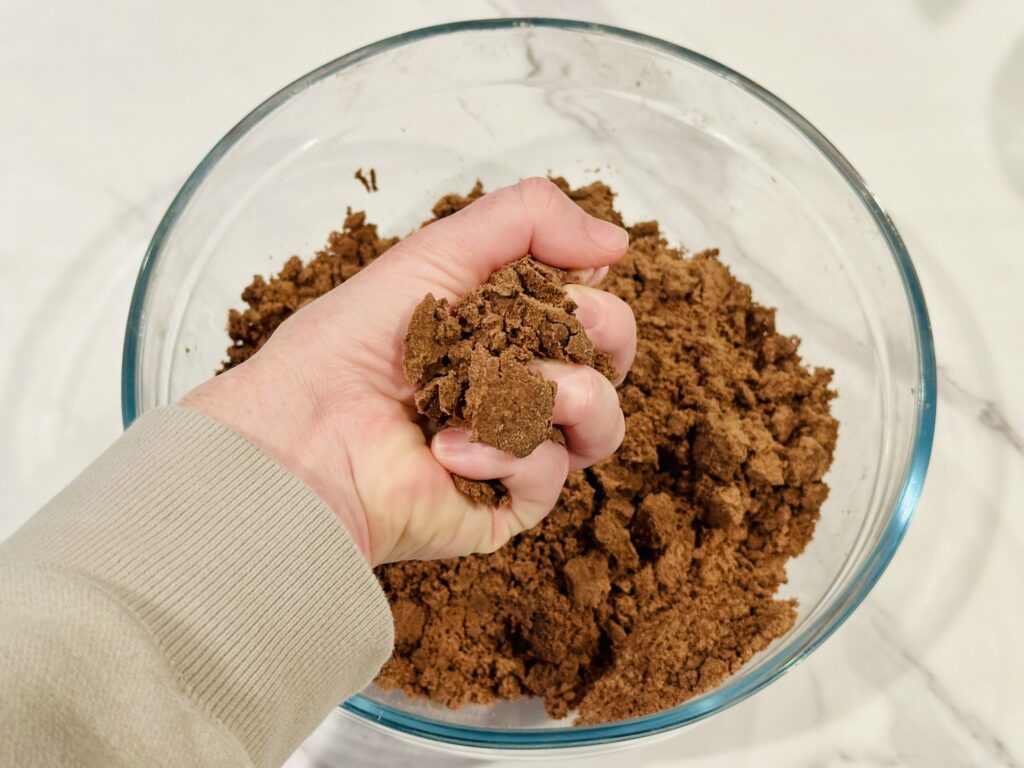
[534, 217]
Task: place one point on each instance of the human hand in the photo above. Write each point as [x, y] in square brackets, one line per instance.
[326, 396]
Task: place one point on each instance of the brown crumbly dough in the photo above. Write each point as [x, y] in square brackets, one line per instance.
[653, 578]
[468, 363]
[274, 301]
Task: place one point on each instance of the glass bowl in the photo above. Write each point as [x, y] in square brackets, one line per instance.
[714, 157]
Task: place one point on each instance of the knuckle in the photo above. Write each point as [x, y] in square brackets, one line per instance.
[491, 544]
[589, 395]
[549, 464]
[627, 313]
[620, 432]
[556, 464]
[537, 193]
[621, 313]
[562, 465]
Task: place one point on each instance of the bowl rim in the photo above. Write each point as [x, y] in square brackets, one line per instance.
[810, 637]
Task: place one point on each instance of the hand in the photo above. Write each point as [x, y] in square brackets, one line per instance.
[326, 396]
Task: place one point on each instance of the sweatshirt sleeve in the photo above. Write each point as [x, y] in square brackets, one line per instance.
[184, 601]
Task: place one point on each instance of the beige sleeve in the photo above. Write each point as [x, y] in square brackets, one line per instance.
[185, 601]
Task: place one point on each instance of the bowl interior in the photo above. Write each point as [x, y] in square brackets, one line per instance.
[715, 160]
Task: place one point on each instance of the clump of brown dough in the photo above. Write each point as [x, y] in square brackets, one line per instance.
[297, 284]
[469, 362]
[653, 578]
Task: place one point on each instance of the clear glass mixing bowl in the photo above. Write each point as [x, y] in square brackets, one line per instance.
[713, 156]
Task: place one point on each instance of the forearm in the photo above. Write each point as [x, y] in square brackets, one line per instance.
[215, 575]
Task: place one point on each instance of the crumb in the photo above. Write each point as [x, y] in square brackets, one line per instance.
[369, 184]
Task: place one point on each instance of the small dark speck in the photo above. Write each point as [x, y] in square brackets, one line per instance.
[361, 178]
[637, 83]
[187, 350]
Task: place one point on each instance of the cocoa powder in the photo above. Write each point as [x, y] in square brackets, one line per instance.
[654, 576]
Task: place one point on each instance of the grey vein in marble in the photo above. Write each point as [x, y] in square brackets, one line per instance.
[989, 414]
[473, 115]
[882, 622]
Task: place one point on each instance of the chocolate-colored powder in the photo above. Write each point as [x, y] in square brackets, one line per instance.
[653, 578]
[469, 362]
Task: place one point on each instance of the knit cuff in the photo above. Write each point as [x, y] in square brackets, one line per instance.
[266, 609]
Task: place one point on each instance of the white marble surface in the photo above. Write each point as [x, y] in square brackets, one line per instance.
[107, 106]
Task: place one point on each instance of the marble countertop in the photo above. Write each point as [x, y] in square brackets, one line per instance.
[107, 107]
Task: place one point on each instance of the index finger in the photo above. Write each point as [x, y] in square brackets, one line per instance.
[532, 217]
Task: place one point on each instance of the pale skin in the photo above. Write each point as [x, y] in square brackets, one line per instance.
[326, 396]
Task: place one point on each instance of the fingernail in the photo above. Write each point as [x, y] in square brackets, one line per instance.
[598, 277]
[582, 276]
[589, 276]
[543, 366]
[587, 311]
[448, 443]
[606, 235]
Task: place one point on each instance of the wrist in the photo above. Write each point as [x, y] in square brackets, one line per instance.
[273, 410]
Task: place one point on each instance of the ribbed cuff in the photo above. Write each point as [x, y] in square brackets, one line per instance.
[266, 609]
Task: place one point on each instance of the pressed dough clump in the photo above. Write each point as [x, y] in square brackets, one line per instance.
[469, 362]
[654, 577]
